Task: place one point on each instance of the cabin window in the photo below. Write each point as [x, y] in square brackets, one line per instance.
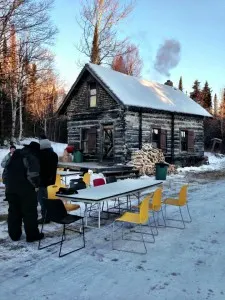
[88, 140]
[187, 140]
[159, 138]
[84, 140]
[184, 140]
[156, 137]
[93, 95]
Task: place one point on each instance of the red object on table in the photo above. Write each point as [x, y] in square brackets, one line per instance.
[98, 181]
[70, 149]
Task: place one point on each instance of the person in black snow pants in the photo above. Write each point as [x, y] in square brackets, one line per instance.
[48, 169]
[23, 179]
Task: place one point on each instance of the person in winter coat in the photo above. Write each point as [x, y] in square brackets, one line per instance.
[48, 169]
[5, 162]
[8, 156]
[23, 180]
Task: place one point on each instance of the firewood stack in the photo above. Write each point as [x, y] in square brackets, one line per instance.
[146, 158]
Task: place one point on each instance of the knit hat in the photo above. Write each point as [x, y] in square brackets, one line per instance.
[34, 146]
[45, 144]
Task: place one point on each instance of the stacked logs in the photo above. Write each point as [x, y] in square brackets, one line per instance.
[145, 159]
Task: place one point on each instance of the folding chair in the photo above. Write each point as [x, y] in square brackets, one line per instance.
[179, 202]
[57, 213]
[53, 189]
[58, 180]
[111, 179]
[156, 206]
[98, 181]
[140, 219]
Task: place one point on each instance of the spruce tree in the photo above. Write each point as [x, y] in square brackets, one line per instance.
[206, 100]
[215, 105]
[196, 93]
[180, 86]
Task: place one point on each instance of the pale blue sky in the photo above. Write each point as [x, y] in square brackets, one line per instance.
[199, 26]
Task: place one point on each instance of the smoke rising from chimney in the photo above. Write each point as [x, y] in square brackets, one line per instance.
[168, 57]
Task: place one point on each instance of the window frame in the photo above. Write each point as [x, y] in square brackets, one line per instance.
[90, 95]
[158, 141]
[185, 149]
[84, 140]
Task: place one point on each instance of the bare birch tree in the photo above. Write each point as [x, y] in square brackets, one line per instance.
[99, 20]
[32, 27]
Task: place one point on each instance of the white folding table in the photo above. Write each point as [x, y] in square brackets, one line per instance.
[99, 194]
[67, 173]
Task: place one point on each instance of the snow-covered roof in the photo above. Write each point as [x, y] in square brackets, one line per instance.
[132, 91]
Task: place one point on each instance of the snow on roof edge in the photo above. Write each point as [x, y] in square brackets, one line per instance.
[113, 80]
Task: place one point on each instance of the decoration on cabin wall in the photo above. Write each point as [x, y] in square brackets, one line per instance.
[146, 158]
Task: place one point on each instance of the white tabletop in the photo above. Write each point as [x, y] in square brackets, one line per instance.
[68, 173]
[112, 190]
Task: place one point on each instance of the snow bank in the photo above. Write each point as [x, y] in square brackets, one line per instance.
[215, 163]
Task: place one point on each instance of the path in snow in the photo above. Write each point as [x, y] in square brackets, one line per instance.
[182, 264]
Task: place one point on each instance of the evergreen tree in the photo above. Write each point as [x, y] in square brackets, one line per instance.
[222, 105]
[215, 105]
[196, 94]
[180, 86]
[206, 97]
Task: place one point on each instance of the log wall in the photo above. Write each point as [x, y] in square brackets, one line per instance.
[126, 124]
[164, 121]
[106, 112]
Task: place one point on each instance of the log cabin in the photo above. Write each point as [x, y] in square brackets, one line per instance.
[110, 114]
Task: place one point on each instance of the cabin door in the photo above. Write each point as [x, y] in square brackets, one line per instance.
[107, 142]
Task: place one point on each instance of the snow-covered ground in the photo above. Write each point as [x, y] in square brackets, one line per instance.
[182, 264]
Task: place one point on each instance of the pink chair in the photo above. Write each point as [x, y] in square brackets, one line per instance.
[98, 181]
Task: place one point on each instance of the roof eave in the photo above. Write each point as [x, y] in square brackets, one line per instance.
[166, 111]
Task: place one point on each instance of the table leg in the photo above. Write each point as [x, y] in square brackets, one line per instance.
[85, 214]
[99, 215]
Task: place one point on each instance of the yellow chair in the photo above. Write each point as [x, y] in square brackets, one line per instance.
[140, 218]
[58, 181]
[60, 169]
[87, 179]
[179, 202]
[156, 206]
[53, 189]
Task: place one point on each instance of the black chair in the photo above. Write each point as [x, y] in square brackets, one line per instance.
[111, 179]
[57, 213]
[81, 185]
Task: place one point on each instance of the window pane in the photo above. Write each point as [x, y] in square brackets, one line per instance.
[93, 92]
[93, 101]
